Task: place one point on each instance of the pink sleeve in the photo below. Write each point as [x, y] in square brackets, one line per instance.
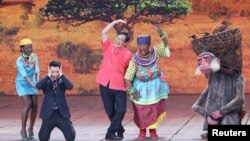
[106, 44]
[129, 57]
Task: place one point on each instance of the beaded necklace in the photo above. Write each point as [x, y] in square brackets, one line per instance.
[29, 60]
[145, 61]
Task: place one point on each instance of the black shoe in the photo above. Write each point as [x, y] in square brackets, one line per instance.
[204, 135]
[120, 133]
[113, 138]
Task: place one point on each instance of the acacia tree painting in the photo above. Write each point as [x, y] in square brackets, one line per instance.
[77, 12]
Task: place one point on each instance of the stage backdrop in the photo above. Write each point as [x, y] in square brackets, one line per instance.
[79, 47]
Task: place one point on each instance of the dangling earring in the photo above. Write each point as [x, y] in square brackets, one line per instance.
[150, 50]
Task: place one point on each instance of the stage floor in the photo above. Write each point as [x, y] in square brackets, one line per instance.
[90, 120]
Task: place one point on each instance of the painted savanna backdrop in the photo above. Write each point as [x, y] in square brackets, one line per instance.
[73, 36]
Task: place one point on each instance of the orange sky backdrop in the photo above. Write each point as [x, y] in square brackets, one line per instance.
[179, 68]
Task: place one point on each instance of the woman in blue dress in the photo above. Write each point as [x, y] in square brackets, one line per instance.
[27, 76]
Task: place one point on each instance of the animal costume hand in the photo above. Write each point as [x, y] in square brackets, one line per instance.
[217, 114]
[211, 121]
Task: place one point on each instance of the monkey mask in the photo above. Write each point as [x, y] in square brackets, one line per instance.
[207, 62]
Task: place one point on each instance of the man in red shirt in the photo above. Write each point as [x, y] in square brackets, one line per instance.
[115, 61]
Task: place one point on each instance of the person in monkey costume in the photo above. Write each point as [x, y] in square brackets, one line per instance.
[221, 103]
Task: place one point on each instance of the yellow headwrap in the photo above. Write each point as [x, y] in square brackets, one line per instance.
[25, 42]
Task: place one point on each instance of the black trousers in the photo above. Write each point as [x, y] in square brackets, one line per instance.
[56, 120]
[115, 106]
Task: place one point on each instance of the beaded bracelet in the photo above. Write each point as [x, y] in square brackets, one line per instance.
[131, 91]
[162, 35]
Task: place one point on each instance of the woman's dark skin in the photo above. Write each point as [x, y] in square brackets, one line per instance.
[29, 101]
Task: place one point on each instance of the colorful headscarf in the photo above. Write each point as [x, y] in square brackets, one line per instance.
[144, 39]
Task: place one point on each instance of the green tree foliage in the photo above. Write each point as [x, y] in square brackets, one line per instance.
[77, 12]
[83, 58]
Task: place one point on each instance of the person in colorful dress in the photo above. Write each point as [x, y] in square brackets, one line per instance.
[27, 76]
[111, 80]
[146, 84]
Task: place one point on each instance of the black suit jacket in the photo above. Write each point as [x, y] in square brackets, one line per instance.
[51, 96]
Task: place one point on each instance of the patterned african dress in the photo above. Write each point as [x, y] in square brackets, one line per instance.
[26, 68]
[148, 81]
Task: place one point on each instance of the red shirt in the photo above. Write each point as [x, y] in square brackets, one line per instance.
[114, 64]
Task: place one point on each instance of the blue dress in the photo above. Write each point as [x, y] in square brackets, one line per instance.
[147, 77]
[149, 85]
[26, 68]
[149, 81]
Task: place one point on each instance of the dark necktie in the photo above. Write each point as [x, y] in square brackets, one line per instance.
[54, 88]
[54, 84]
